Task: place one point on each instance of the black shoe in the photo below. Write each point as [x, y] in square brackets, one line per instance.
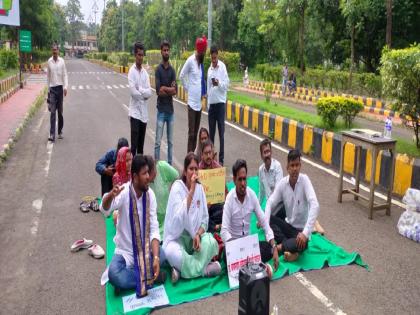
[51, 139]
[60, 136]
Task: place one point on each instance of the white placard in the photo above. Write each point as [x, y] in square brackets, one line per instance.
[238, 253]
[9, 12]
[155, 297]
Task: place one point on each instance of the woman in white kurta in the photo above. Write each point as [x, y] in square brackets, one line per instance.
[188, 248]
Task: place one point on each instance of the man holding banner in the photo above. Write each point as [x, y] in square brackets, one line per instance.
[215, 209]
[239, 205]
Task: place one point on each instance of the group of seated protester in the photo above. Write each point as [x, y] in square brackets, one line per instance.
[151, 195]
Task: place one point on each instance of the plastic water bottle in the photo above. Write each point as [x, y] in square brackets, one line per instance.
[388, 128]
[275, 310]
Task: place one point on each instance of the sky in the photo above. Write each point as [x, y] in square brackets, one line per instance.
[86, 8]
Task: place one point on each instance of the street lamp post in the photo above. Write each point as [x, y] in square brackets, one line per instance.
[122, 26]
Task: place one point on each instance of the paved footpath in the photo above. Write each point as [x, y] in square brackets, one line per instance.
[13, 111]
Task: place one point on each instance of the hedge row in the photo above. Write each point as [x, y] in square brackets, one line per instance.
[334, 80]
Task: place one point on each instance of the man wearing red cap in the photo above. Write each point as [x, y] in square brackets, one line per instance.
[193, 80]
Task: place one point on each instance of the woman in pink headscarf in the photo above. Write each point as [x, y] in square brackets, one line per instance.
[122, 167]
[122, 172]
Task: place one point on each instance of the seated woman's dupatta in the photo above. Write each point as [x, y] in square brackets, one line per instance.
[140, 235]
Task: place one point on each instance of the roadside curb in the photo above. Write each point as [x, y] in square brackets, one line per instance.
[7, 148]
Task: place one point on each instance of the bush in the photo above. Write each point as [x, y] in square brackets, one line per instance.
[349, 108]
[328, 109]
[8, 59]
[268, 91]
[120, 58]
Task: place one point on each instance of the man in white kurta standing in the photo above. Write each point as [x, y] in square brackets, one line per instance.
[194, 82]
[57, 81]
[140, 92]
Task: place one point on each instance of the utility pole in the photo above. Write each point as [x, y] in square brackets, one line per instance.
[209, 17]
[122, 21]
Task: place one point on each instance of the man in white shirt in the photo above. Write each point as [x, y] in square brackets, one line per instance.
[239, 205]
[57, 82]
[194, 82]
[269, 173]
[140, 92]
[217, 87]
[302, 209]
[135, 263]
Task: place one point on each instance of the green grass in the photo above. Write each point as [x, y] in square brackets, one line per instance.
[7, 73]
[283, 110]
[403, 146]
[408, 147]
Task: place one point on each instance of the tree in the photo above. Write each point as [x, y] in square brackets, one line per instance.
[400, 71]
[353, 11]
[388, 22]
[74, 18]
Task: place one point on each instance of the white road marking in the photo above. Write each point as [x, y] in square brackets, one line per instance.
[87, 87]
[318, 294]
[127, 85]
[122, 86]
[108, 87]
[80, 87]
[50, 147]
[115, 86]
[37, 206]
[73, 87]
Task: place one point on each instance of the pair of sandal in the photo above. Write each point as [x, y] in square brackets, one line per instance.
[94, 250]
[89, 203]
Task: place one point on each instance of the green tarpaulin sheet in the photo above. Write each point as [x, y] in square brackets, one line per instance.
[320, 253]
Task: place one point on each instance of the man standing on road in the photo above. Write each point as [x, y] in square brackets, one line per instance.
[193, 80]
[140, 92]
[165, 88]
[217, 86]
[57, 81]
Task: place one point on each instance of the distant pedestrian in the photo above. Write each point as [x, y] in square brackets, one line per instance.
[57, 81]
[140, 92]
[217, 87]
[285, 73]
[166, 88]
[194, 82]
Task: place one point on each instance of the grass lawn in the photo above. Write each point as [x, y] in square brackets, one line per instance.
[281, 109]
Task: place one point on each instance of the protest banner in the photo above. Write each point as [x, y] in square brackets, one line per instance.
[214, 183]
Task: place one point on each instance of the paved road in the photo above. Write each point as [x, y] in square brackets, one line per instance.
[42, 185]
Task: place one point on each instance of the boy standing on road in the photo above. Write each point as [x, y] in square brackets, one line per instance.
[140, 92]
[165, 89]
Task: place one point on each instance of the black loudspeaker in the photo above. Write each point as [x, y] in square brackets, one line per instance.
[254, 290]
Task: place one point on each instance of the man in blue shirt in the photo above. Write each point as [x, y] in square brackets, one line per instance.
[106, 166]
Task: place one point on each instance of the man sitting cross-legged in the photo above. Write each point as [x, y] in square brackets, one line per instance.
[136, 260]
[302, 209]
[239, 205]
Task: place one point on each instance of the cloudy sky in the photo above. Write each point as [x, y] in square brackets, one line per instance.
[86, 6]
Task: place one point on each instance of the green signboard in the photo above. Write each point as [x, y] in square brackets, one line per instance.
[25, 41]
